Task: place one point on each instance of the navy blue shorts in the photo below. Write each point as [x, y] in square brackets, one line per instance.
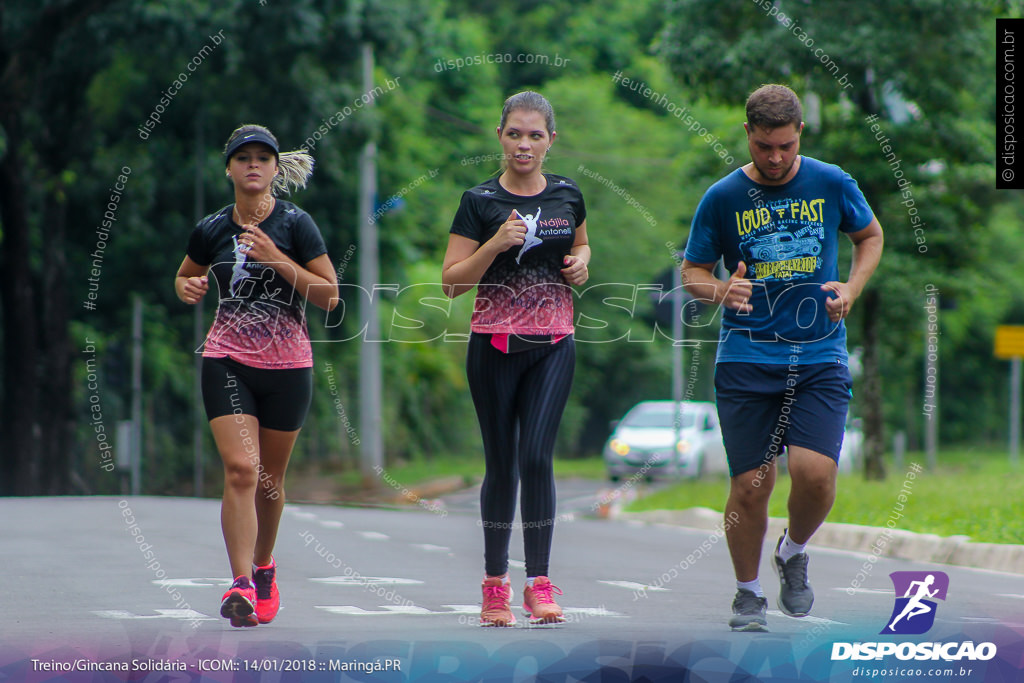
[764, 407]
[279, 399]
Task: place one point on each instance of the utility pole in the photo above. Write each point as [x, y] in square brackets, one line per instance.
[136, 469]
[677, 357]
[372, 455]
[931, 379]
[1014, 410]
[198, 421]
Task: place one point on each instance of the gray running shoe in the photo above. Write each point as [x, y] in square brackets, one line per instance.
[748, 612]
[795, 594]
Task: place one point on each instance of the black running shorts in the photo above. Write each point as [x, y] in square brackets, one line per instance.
[279, 399]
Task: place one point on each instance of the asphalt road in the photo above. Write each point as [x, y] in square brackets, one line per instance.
[139, 580]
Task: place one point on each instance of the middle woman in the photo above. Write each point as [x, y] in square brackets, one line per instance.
[522, 237]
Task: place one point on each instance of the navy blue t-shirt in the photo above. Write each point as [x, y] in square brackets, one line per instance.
[787, 235]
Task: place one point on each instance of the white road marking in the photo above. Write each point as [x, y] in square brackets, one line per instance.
[331, 524]
[591, 612]
[303, 515]
[184, 614]
[365, 580]
[192, 583]
[462, 609]
[634, 586]
[869, 591]
[373, 535]
[1010, 595]
[808, 619]
[429, 547]
[582, 611]
[517, 564]
[349, 610]
[353, 611]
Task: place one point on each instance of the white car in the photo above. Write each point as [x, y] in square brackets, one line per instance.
[851, 456]
[650, 442]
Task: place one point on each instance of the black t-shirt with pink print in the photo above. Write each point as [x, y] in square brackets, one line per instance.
[523, 291]
[260, 319]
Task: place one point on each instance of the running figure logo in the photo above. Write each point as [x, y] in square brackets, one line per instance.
[531, 232]
[238, 271]
[914, 613]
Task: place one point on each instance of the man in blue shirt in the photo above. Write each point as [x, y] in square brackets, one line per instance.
[781, 377]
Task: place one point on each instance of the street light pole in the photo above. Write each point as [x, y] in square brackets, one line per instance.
[931, 374]
[372, 458]
[198, 414]
[677, 355]
[136, 464]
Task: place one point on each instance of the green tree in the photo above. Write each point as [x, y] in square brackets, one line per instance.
[39, 75]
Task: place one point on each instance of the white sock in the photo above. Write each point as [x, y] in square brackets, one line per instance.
[529, 581]
[789, 548]
[504, 578]
[752, 586]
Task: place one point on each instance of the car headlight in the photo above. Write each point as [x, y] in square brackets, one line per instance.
[620, 447]
[683, 446]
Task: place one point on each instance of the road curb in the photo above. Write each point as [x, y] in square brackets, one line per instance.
[881, 541]
[430, 489]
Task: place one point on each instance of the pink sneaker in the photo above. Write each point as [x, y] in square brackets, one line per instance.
[497, 597]
[268, 600]
[539, 603]
[239, 603]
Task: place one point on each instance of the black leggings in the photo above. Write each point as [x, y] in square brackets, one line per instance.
[519, 399]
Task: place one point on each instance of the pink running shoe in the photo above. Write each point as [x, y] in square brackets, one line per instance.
[239, 603]
[539, 603]
[268, 600]
[497, 597]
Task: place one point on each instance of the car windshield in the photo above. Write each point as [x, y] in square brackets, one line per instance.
[657, 416]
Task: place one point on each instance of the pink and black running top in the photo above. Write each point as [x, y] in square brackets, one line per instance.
[260, 319]
[523, 291]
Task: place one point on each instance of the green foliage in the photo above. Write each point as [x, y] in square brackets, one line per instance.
[294, 66]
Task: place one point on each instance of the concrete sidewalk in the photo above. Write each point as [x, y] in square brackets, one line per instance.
[881, 541]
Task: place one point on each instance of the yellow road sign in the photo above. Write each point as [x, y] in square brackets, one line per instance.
[1009, 341]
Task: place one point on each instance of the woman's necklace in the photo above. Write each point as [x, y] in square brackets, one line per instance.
[253, 221]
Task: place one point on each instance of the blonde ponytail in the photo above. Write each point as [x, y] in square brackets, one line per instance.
[293, 171]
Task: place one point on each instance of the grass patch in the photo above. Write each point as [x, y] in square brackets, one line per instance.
[580, 468]
[972, 492]
[411, 473]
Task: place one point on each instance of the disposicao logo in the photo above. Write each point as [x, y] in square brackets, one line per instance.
[914, 612]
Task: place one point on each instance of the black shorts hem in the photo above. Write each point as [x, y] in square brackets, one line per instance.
[278, 399]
